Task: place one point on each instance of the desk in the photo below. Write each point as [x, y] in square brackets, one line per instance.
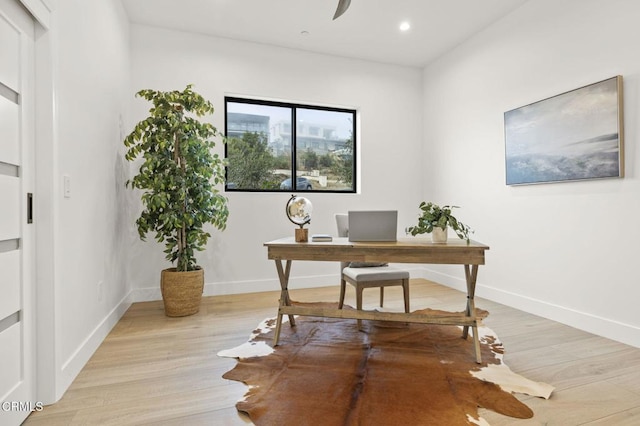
[408, 250]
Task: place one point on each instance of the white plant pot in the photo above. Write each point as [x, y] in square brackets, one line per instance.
[438, 235]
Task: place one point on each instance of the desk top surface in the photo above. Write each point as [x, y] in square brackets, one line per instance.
[405, 250]
[416, 242]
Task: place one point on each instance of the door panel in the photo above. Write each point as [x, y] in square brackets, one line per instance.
[9, 53]
[11, 362]
[9, 143]
[10, 211]
[9, 288]
[17, 316]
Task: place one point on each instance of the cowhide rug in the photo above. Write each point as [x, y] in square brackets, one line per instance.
[326, 372]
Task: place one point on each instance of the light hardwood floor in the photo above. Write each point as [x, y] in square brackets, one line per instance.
[164, 371]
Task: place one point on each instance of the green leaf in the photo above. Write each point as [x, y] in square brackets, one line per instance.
[177, 173]
[433, 215]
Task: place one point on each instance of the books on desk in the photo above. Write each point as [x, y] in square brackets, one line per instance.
[321, 237]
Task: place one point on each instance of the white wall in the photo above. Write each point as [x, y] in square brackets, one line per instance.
[388, 98]
[91, 70]
[567, 251]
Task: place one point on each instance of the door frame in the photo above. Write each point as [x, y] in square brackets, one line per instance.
[47, 389]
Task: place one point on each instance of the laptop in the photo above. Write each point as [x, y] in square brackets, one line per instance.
[373, 225]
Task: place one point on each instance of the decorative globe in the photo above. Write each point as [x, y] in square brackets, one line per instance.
[299, 210]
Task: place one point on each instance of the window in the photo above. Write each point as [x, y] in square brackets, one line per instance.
[268, 143]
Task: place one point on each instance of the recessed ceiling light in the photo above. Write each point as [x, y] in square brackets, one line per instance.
[404, 26]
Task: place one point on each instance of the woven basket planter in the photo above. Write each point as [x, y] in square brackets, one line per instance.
[181, 291]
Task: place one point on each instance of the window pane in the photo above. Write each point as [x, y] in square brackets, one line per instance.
[258, 146]
[267, 151]
[324, 150]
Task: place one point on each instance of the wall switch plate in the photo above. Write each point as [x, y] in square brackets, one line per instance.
[66, 185]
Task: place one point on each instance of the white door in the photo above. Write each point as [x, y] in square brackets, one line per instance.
[17, 317]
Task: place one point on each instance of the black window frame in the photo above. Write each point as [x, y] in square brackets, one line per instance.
[294, 107]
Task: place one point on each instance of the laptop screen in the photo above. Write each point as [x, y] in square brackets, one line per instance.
[373, 225]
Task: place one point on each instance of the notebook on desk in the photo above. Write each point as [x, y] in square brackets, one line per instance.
[373, 225]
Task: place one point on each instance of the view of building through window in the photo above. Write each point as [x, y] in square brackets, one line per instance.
[270, 142]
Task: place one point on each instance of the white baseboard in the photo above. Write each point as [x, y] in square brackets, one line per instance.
[590, 323]
[151, 293]
[81, 356]
[148, 294]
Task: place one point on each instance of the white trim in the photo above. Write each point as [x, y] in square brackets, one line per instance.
[47, 365]
[72, 366]
[289, 101]
[152, 291]
[605, 327]
[41, 11]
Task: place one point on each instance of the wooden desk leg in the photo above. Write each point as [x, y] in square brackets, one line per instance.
[283, 275]
[471, 275]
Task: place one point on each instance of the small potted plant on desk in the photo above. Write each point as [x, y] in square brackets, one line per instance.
[436, 220]
[178, 177]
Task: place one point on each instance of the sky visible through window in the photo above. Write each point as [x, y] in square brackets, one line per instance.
[326, 118]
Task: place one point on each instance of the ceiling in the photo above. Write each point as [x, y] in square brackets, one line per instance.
[368, 30]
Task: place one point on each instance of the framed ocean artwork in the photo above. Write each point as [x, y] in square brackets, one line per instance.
[572, 136]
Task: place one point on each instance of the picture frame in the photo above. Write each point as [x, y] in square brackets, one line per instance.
[573, 136]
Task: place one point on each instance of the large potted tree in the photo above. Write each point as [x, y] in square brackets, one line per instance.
[178, 178]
